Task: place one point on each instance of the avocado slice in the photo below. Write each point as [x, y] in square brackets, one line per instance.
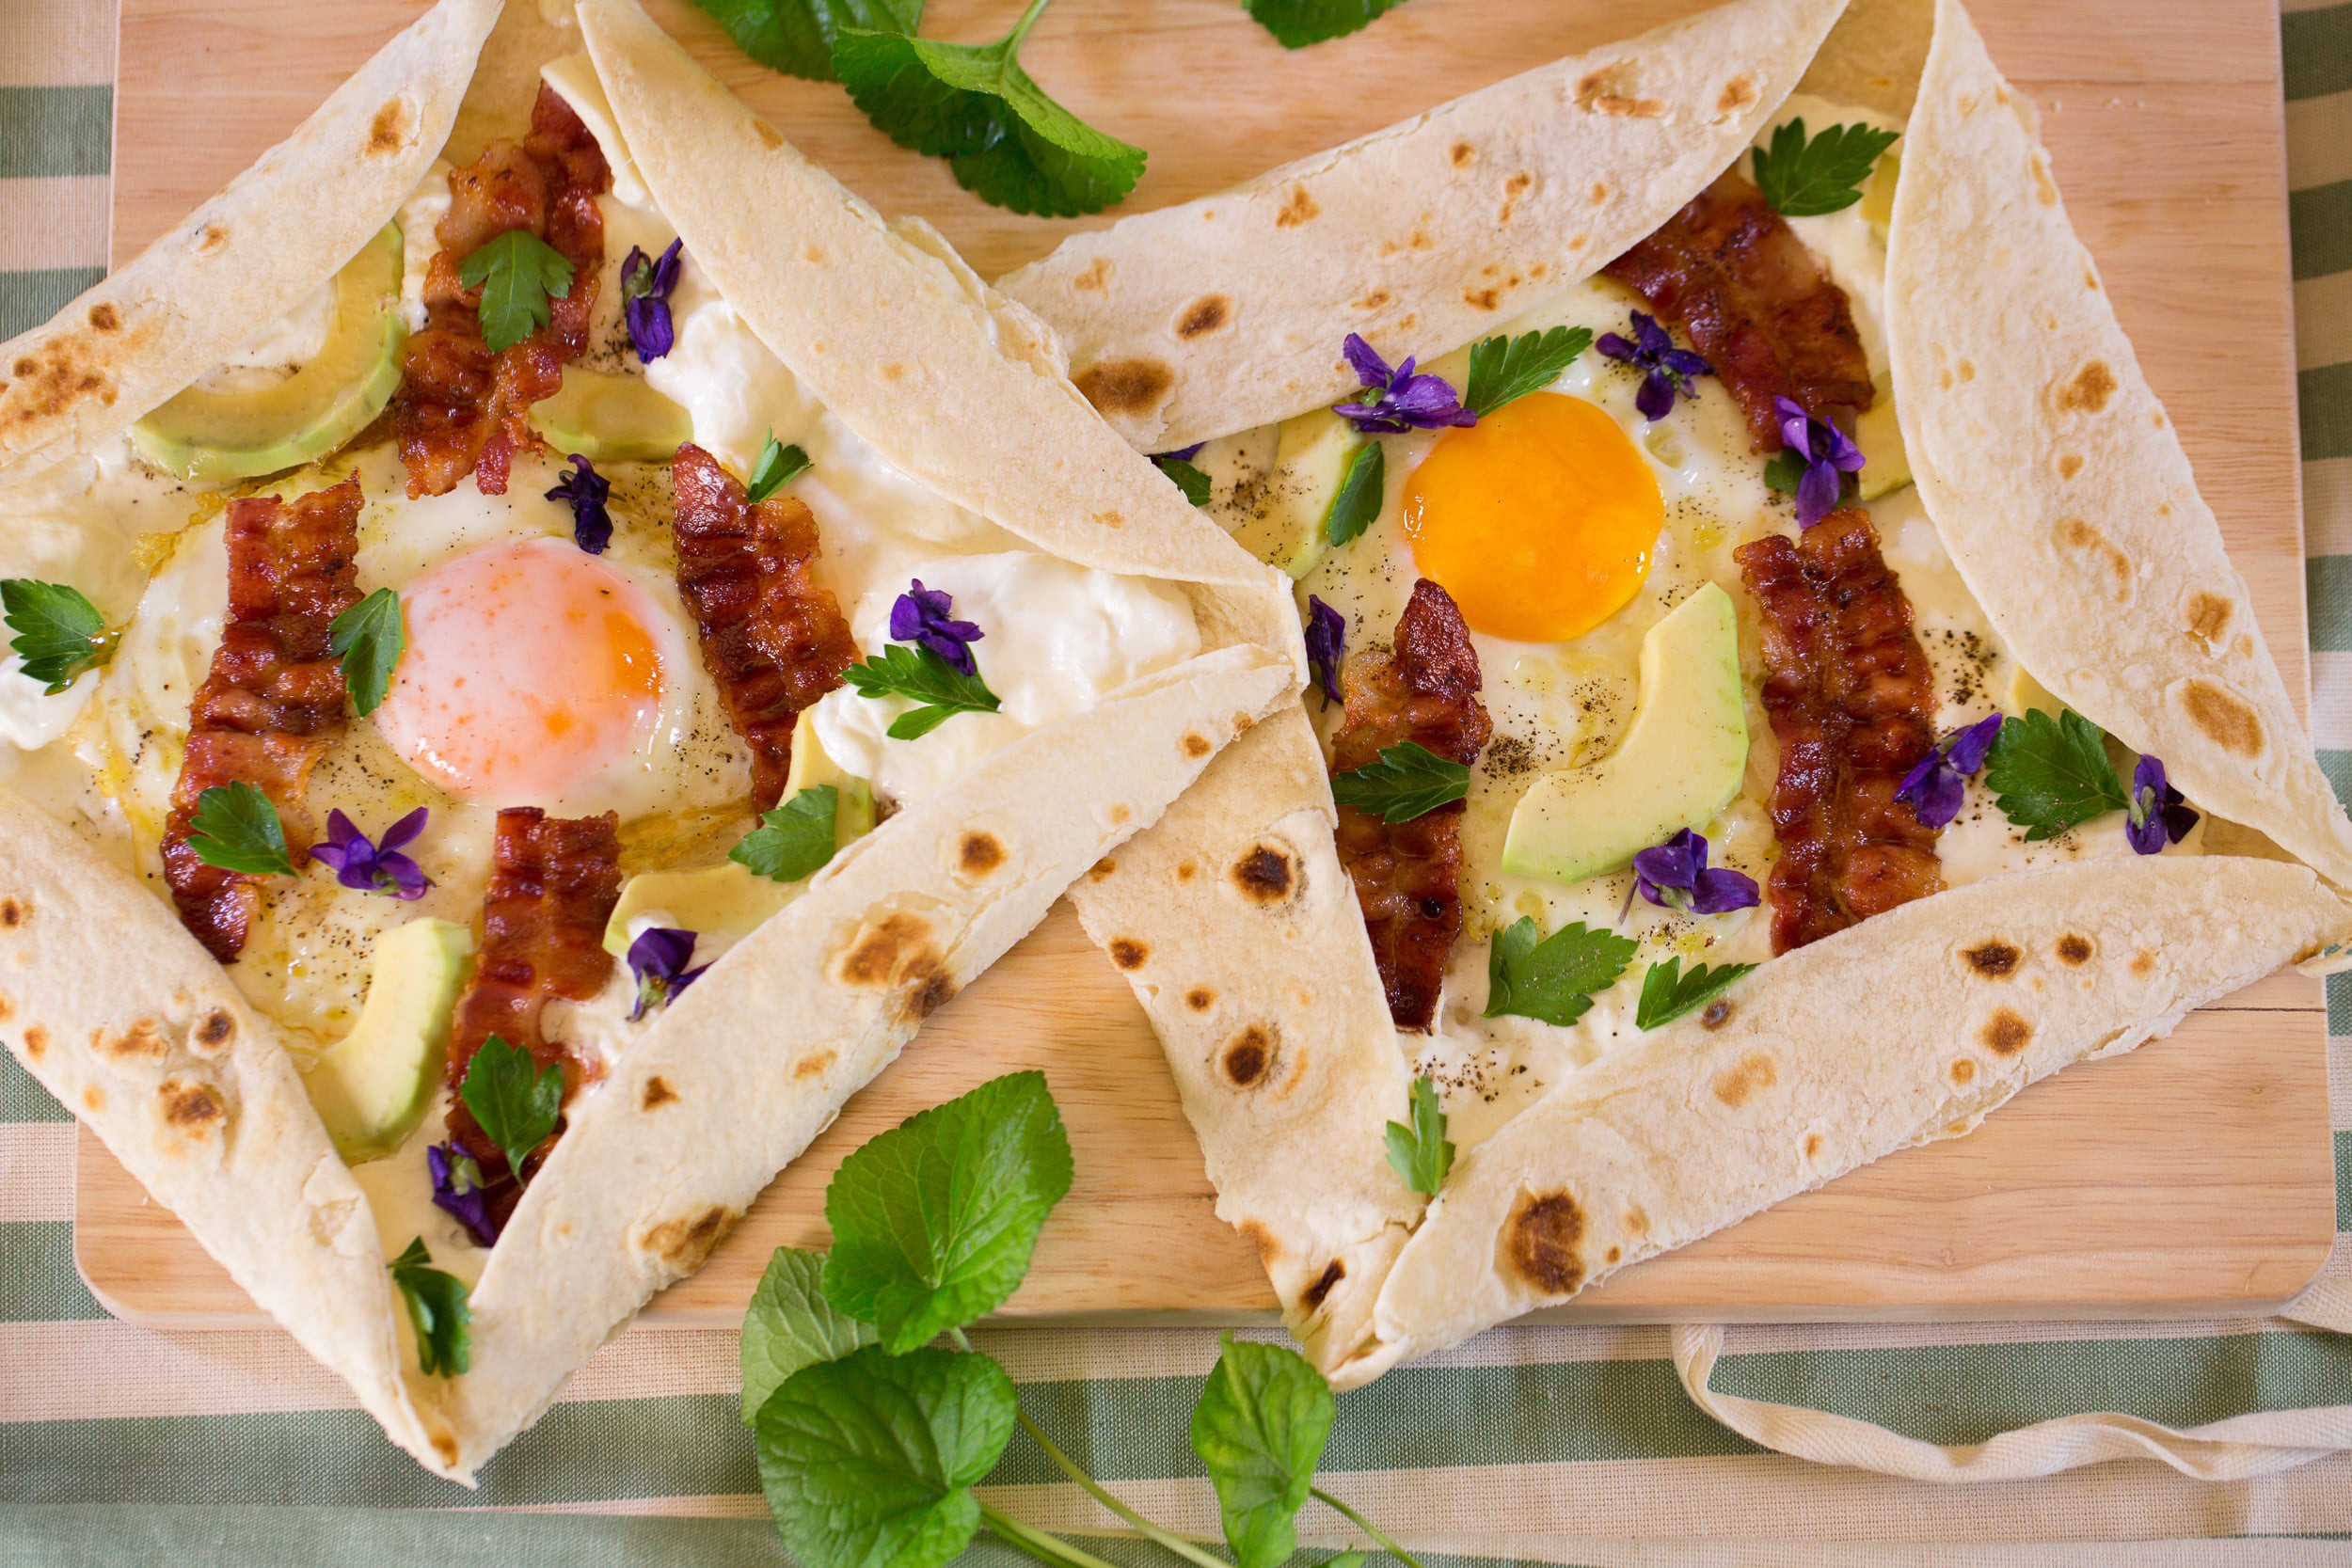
[371, 1086]
[1886, 466]
[215, 436]
[1285, 527]
[607, 417]
[1682, 760]
[853, 817]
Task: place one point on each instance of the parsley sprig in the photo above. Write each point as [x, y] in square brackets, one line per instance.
[1356, 502]
[1554, 978]
[1004, 138]
[437, 1305]
[1420, 1152]
[872, 1435]
[1667, 993]
[901, 670]
[1806, 179]
[1504, 370]
[796, 839]
[235, 828]
[2050, 774]
[512, 1099]
[59, 633]
[1186, 477]
[518, 273]
[1408, 781]
[796, 36]
[1297, 24]
[368, 638]
[776, 467]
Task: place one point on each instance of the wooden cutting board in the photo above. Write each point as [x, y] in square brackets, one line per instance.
[2194, 1176]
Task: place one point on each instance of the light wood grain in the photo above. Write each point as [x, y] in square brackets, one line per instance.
[2194, 1176]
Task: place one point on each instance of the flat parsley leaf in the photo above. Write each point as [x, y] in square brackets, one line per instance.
[1005, 141]
[791, 1325]
[934, 1220]
[778, 465]
[1356, 502]
[1667, 993]
[235, 828]
[516, 1102]
[796, 839]
[1554, 979]
[1299, 22]
[1191, 480]
[2049, 774]
[1264, 1418]
[1805, 179]
[796, 36]
[368, 638]
[518, 273]
[1408, 781]
[901, 670]
[437, 1305]
[1504, 370]
[1421, 1153]
[868, 1462]
[59, 632]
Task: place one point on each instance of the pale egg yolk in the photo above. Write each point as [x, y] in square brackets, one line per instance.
[529, 670]
[1539, 519]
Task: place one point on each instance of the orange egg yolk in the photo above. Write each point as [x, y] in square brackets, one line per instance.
[1539, 519]
[529, 670]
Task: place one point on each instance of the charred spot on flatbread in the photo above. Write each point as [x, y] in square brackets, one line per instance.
[1963, 1070]
[1543, 1243]
[1314, 1295]
[2006, 1032]
[214, 236]
[1993, 958]
[2208, 617]
[1200, 999]
[13, 913]
[684, 1245]
[1745, 1078]
[93, 1098]
[1298, 207]
[1269, 1249]
[1518, 185]
[1738, 93]
[1247, 1055]
[979, 854]
[883, 951]
[2087, 390]
[1615, 89]
[2143, 965]
[36, 1040]
[1266, 875]
[1813, 1146]
[1096, 278]
[1187, 870]
[2078, 538]
[1207, 315]
[1104, 868]
[143, 1041]
[931, 991]
[2225, 717]
[1463, 154]
[213, 1031]
[2069, 464]
[7, 1010]
[657, 1092]
[2074, 949]
[194, 1108]
[1127, 386]
[813, 1064]
[1197, 745]
[1127, 953]
[388, 133]
[102, 317]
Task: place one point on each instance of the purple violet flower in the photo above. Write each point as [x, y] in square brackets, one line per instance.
[459, 1191]
[1936, 788]
[1327, 646]
[645, 285]
[1828, 455]
[921, 616]
[2158, 814]
[586, 489]
[1182, 454]
[1674, 875]
[657, 958]
[1398, 400]
[1671, 369]
[377, 868]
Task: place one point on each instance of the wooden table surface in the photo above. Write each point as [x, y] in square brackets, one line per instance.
[2193, 1176]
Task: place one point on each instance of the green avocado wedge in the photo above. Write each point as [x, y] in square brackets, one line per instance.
[372, 1088]
[1682, 760]
[1285, 527]
[218, 436]
[611, 419]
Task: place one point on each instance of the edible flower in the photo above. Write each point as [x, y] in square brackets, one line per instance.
[1671, 369]
[657, 958]
[2158, 814]
[1674, 875]
[1327, 646]
[1828, 455]
[458, 1190]
[377, 868]
[921, 617]
[586, 489]
[1398, 399]
[645, 285]
[1182, 454]
[1936, 787]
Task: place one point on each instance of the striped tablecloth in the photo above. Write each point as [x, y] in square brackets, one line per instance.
[119, 1444]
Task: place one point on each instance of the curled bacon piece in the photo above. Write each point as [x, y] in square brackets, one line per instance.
[1408, 875]
[463, 410]
[1730, 272]
[553, 883]
[1852, 698]
[272, 701]
[773, 640]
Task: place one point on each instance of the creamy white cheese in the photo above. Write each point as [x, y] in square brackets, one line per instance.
[418, 217]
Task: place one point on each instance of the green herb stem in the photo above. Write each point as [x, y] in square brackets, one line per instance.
[1367, 1527]
[1021, 29]
[1044, 1547]
[1094, 1489]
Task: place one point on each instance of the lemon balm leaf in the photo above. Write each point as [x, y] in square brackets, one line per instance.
[1297, 24]
[368, 638]
[59, 633]
[1264, 1418]
[518, 273]
[796, 36]
[790, 1325]
[235, 828]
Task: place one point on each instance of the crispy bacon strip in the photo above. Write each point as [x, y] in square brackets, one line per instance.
[1408, 875]
[273, 702]
[1730, 273]
[553, 883]
[1852, 698]
[463, 410]
[773, 640]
